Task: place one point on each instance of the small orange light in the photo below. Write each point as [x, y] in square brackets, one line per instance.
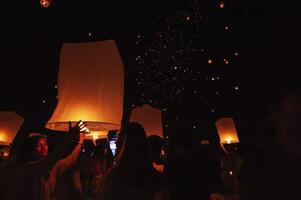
[221, 5]
[45, 3]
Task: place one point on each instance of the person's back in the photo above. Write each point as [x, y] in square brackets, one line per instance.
[275, 172]
[133, 177]
[126, 183]
[189, 173]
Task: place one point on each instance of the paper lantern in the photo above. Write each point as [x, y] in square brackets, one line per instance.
[150, 118]
[90, 88]
[10, 123]
[227, 131]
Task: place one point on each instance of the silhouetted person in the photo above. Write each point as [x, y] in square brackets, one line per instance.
[36, 176]
[189, 173]
[2, 157]
[274, 172]
[156, 147]
[133, 177]
[99, 163]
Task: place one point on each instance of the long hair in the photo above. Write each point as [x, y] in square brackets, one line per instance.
[133, 160]
[134, 145]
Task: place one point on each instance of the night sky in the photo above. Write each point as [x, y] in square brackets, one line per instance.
[196, 60]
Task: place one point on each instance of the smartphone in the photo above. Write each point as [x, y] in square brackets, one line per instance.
[113, 146]
[112, 140]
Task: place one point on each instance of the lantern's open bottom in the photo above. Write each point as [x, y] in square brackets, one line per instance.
[94, 127]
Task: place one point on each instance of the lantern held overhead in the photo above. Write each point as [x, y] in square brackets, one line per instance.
[227, 131]
[10, 123]
[90, 87]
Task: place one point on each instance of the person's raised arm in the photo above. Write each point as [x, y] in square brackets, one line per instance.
[67, 162]
[47, 163]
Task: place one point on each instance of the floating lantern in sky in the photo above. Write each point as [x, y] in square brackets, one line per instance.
[45, 3]
[222, 5]
[90, 88]
[150, 118]
[10, 123]
[227, 131]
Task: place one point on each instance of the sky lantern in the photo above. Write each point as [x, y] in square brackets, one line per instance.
[90, 87]
[150, 118]
[227, 131]
[45, 3]
[10, 123]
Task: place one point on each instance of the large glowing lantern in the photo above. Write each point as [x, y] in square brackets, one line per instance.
[227, 131]
[10, 123]
[91, 86]
[150, 118]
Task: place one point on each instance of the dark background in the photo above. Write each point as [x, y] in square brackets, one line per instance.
[265, 33]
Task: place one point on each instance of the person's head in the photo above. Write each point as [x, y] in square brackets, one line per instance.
[36, 147]
[134, 142]
[155, 146]
[184, 142]
[100, 148]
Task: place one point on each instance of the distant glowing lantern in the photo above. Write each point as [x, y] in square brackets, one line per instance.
[5, 150]
[45, 3]
[222, 5]
[150, 118]
[91, 86]
[227, 131]
[10, 123]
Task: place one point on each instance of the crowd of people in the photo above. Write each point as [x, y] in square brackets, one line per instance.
[150, 168]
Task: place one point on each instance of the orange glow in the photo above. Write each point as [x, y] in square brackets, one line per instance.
[150, 118]
[45, 3]
[3, 136]
[10, 123]
[90, 87]
[221, 5]
[210, 61]
[94, 135]
[227, 131]
[159, 168]
[229, 139]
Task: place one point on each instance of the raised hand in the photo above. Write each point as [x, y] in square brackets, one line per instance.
[79, 130]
